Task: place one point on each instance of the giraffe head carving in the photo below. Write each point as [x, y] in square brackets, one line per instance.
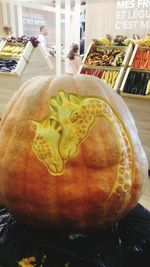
[45, 144]
[58, 136]
[75, 119]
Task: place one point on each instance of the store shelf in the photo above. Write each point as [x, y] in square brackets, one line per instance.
[112, 76]
[100, 67]
[143, 90]
[93, 48]
[24, 59]
[139, 70]
[140, 58]
[133, 55]
[98, 70]
[28, 50]
[8, 74]
[32, 63]
[20, 66]
[18, 56]
[1, 44]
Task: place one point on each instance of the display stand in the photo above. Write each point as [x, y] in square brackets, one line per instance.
[1, 43]
[111, 72]
[136, 93]
[33, 62]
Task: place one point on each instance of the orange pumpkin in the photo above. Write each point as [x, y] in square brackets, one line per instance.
[70, 156]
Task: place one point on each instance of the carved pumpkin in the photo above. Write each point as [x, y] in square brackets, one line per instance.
[70, 156]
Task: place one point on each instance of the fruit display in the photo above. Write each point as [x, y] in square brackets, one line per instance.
[23, 40]
[102, 41]
[12, 51]
[137, 83]
[7, 65]
[128, 41]
[99, 56]
[145, 41]
[69, 152]
[142, 59]
[96, 72]
[109, 76]
[119, 40]
[106, 62]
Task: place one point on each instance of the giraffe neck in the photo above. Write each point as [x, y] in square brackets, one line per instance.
[99, 107]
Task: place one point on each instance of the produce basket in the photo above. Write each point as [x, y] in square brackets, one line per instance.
[12, 60]
[136, 82]
[107, 63]
[19, 54]
[140, 59]
[112, 76]
[108, 56]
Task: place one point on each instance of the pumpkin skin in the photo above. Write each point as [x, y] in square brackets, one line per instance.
[81, 182]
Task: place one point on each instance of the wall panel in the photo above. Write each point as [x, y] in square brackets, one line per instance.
[117, 17]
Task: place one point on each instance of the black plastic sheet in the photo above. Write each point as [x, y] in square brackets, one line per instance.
[125, 244]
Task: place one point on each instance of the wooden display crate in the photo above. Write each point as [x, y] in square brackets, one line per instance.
[1, 44]
[136, 49]
[131, 94]
[25, 57]
[32, 63]
[28, 50]
[127, 49]
[21, 62]
[118, 80]
[121, 69]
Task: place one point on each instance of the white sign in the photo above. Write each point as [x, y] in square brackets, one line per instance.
[34, 19]
[133, 14]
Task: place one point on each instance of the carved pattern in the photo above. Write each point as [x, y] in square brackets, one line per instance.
[58, 136]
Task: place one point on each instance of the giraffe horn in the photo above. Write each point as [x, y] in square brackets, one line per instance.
[54, 104]
[62, 97]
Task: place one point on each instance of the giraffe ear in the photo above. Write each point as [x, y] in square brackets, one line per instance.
[74, 99]
[34, 125]
[53, 116]
[51, 109]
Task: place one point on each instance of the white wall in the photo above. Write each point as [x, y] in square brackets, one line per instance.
[117, 17]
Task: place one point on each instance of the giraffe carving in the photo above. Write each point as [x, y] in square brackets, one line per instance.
[58, 136]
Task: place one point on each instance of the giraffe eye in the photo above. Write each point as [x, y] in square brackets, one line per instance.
[74, 117]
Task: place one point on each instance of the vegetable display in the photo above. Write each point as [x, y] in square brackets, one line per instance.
[7, 65]
[10, 55]
[12, 51]
[138, 83]
[99, 56]
[109, 76]
[70, 156]
[142, 59]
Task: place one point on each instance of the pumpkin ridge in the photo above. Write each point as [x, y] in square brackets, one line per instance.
[16, 97]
